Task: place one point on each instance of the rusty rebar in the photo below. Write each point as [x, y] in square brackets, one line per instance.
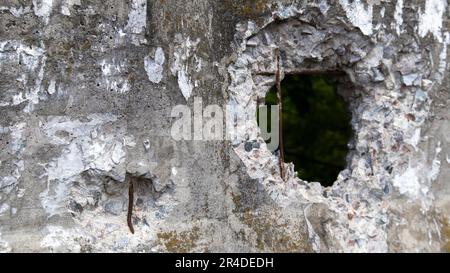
[302, 72]
[280, 114]
[130, 205]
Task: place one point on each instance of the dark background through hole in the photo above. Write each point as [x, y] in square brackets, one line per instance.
[316, 126]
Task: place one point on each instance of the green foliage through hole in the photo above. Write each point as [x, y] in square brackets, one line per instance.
[316, 126]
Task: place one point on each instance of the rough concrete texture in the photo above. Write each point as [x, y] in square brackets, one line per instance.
[87, 89]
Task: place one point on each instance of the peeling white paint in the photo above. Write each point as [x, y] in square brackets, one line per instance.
[431, 19]
[113, 77]
[185, 84]
[435, 165]
[66, 5]
[20, 192]
[43, 9]
[408, 183]
[416, 180]
[359, 15]
[87, 150]
[137, 18]
[75, 128]
[69, 164]
[33, 59]
[443, 55]
[174, 171]
[16, 12]
[58, 236]
[129, 141]
[184, 50]
[4, 208]
[154, 66]
[106, 68]
[398, 16]
[33, 95]
[51, 87]
[414, 139]
[4, 246]
[9, 182]
[17, 137]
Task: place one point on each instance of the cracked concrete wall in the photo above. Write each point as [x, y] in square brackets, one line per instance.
[87, 89]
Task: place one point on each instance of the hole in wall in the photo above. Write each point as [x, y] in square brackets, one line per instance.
[316, 126]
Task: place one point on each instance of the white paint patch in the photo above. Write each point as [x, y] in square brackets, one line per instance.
[436, 165]
[416, 180]
[16, 12]
[430, 21]
[137, 18]
[33, 95]
[51, 87]
[185, 84]
[359, 15]
[414, 139]
[112, 76]
[159, 56]
[398, 16]
[58, 236]
[16, 147]
[75, 128]
[43, 9]
[86, 150]
[4, 208]
[443, 55]
[20, 192]
[154, 67]
[17, 137]
[66, 5]
[32, 59]
[4, 246]
[408, 182]
[129, 141]
[184, 50]
[69, 164]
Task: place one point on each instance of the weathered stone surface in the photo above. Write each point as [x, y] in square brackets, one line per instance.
[87, 89]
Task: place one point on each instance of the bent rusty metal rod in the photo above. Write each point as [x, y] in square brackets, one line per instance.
[302, 72]
[280, 114]
[130, 205]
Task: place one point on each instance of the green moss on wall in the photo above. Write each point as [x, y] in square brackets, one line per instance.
[179, 242]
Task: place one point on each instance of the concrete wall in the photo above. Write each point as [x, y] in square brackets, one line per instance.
[87, 92]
